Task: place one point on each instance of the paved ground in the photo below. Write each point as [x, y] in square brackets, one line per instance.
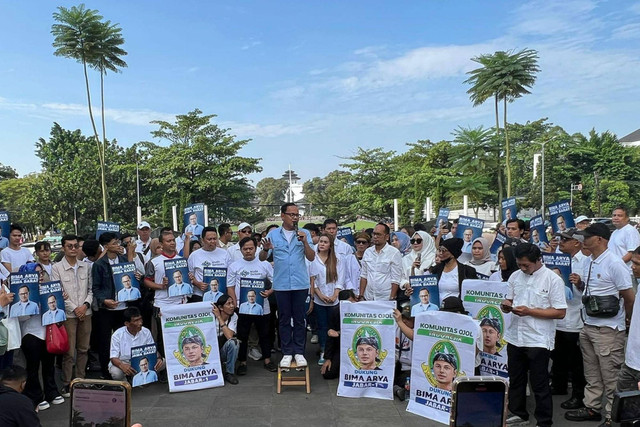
[254, 402]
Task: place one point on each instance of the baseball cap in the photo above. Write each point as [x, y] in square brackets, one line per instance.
[571, 233]
[143, 224]
[244, 225]
[581, 218]
[596, 229]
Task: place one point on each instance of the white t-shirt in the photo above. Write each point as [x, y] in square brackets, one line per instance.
[288, 234]
[632, 356]
[448, 285]
[318, 270]
[16, 258]
[236, 253]
[624, 240]
[254, 269]
[122, 341]
[496, 276]
[232, 323]
[155, 271]
[200, 259]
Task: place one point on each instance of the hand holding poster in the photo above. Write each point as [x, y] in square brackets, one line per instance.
[367, 338]
[52, 303]
[469, 229]
[442, 219]
[177, 272]
[538, 232]
[509, 210]
[216, 278]
[251, 299]
[26, 301]
[482, 299]
[425, 296]
[561, 216]
[194, 220]
[127, 285]
[191, 347]
[561, 265]
[104, 226]
[346, 235]
[444, 347]
[144, 359]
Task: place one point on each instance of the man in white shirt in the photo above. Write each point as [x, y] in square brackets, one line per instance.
[381, 268]
[53, 315]
[567, 357]
[209, 255]
[244, 230]
[536, 298]
[132, 334]
[629, 375]
[14, 256]
[625, 238]
[225, 234]
[602, 337]
[143, 243]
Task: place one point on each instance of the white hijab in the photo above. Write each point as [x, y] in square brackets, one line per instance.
[427, 255]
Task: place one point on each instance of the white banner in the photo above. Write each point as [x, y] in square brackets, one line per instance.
[367, 349]
[444, 347]
[191, 347]
[482, 300]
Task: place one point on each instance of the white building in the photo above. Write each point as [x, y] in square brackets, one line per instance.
[631, 140]
[294, 191]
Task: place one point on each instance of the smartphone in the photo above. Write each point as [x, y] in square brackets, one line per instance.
[419, 256]
[100, 402]
[479, 401]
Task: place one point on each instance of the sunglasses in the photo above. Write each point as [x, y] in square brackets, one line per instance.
[361, 242]
[414, 241]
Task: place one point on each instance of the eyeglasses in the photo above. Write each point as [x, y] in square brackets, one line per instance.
[76, 246]
[361, 242]
[564, 239]
[292, 215]
[414, 241]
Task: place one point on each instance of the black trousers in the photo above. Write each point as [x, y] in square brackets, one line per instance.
[36, 355]
[533, 361]
[244, 326]
[107, 322]
[567, 363]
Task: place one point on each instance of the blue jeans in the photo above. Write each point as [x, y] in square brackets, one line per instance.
[322, 314]
[291, 306]
[229, 355]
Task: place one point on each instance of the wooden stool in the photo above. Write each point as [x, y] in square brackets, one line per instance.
[293, 379]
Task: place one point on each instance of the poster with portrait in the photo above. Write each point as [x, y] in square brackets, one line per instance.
[216, 278]
[561, 216]
[251, 299]
[469, 228]
[346, 235]
[482, 299]
[105, 226]
[442, 219]
[194, 220]
[496, 245]
[177, 272]
[190, 336]
[143, 360]
[5, 224]
[52, 303]
[538, 232]
[509, 210]
[444, 348]
[559, 264]
[425, 296]
[367, 349]
[127, 285]
[26, 299]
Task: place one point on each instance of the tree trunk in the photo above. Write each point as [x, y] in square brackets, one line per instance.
[507, 153]
[499, 169]
[104, 145]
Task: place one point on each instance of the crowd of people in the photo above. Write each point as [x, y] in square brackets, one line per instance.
[307, 271]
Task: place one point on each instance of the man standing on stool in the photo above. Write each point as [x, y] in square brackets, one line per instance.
[290, 247]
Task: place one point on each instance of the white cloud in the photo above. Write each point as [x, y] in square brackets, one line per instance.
[254, 130]
[626, 32]
[251, 44]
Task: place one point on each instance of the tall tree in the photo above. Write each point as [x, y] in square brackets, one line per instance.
[270, 193]
[505, 76]
[7, 172]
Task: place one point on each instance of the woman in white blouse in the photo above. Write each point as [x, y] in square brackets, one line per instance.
[420, 259]
[481, 257]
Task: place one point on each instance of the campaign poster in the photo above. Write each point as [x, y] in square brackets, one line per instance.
[444, 348]
[482, 299]
[52, 303]
[346, 235]
[251, 300]
[143, 360]
[469, 228]
[367, 349]
[538, 232]
[190, 336]
[194, 220]
[509, 210]
[26, 300]
[177, 272]
[561, 216]
[425, 296]
[442, 219]
[127, 285]
[5, 224]
[559, 264]
[104, 226]
[496, 245]
[216, 278]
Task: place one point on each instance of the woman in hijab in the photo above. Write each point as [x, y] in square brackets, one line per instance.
[481, 257]
[507, 263]
[420, 259]
[451, 273]
[400, 241]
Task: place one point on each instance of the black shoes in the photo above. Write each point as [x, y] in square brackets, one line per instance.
[241, 370]
[573, 403]
[583, 414]
[230, 378]
[271, 367]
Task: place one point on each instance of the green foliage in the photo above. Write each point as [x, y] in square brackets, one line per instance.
[331, 196]
[271, 194]
[7, 172]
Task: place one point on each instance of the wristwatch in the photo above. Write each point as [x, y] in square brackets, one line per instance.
[87, 304]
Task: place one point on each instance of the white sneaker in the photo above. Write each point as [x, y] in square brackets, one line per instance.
[43, 405]
[515, 420]
[286, 361]
[314, 339]
[58, 400]
[300, 361]
[255, 354]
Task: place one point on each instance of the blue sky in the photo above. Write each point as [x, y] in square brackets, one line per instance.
[309, 82]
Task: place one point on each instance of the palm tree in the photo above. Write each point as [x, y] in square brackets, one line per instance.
[504, 76]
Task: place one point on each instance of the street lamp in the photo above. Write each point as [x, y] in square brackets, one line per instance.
[542, 144]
